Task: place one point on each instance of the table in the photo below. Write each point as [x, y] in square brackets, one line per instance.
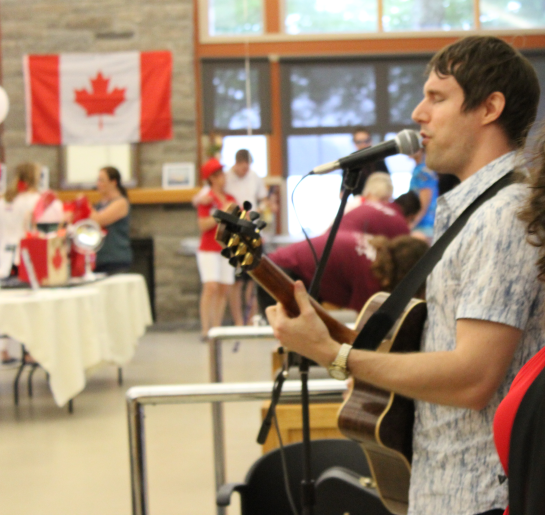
[71, 331]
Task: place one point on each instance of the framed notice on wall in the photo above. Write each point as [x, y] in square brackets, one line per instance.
[178, 175]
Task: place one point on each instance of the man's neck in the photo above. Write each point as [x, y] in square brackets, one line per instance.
[488, 150]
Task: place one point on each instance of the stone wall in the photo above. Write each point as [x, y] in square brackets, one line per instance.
[57, 26]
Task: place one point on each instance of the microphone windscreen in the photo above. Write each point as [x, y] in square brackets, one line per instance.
[408, 142]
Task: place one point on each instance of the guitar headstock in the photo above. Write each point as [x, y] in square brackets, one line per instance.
[240, 237]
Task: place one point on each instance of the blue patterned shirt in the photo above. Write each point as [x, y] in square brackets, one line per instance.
[488, 273]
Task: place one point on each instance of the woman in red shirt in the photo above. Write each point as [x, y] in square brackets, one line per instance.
[217, 275]
[533, 214]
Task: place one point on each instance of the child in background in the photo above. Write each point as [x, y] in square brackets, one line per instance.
[217, 275]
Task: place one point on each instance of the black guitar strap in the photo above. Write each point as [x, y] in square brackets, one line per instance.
[380, 323]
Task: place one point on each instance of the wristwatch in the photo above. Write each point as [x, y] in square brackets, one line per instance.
[338, 369]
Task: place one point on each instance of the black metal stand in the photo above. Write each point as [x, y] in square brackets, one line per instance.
[307, 484]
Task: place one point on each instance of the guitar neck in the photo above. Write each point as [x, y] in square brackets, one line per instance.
[280, 287]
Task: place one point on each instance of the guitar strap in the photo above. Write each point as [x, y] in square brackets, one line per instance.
[380, 323]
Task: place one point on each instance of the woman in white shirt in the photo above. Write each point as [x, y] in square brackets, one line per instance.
[16, 209]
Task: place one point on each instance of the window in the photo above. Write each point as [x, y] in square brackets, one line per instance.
[323, 100]
[418, 15]
[306, 17]
[512, 14]
[235, 17]
[339, 16]
[81, 164]
[256, 145]
[227, 107]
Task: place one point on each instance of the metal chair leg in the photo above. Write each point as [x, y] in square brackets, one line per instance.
[16, 384]
[33, 368]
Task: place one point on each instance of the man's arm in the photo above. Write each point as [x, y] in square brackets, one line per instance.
[466, 377]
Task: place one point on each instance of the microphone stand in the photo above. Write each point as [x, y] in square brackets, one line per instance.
[307, 484]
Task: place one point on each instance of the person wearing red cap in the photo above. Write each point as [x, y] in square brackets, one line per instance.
[217, 275]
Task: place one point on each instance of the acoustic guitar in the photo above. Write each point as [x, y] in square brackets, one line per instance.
[379, 420]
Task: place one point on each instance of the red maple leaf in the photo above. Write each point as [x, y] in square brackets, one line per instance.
[57, 259]
[99, 101]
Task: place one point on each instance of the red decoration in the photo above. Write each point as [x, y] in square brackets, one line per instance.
[57, 259]
[99, 101]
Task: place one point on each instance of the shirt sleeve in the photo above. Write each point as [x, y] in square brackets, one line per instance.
[261, 189]
[498, 281]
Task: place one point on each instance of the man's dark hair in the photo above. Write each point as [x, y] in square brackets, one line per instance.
[409, 203]
[243, 156]
[484, 64]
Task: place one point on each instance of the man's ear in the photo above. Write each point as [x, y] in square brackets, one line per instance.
[493, 107]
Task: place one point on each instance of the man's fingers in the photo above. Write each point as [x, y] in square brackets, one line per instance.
[301, 297]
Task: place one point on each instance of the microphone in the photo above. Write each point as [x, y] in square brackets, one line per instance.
[406, 142]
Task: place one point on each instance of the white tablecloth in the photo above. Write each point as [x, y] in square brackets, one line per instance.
[70, 331]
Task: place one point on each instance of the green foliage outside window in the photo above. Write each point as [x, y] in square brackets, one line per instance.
[231, 17]
[332, 95]
[405, 91]
[512, 14]
[230, 110]
[330, 16]
[411, 15]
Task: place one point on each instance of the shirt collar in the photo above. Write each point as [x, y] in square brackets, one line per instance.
[459, 198]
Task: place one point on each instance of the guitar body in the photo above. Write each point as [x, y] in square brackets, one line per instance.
[381, 421]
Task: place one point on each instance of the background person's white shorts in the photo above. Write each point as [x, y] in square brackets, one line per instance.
[213, 267]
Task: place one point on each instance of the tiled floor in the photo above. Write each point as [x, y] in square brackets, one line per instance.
[53, 463]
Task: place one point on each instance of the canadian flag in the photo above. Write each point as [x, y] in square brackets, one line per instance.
[120, 97]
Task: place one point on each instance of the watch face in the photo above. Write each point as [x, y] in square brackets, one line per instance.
[338, 373]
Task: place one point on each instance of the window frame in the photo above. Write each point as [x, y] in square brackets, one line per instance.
[208, 66]
[382, 126]
[281, 35]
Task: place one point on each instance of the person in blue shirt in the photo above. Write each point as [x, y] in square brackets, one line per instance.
[425, 183]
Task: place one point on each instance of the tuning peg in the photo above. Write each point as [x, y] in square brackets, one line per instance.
[234, 241]
[226, 252]
[248, 260]
[246, 205]
[241, 250]
[256, 242]
[261, 224]
[254, 215]
[233, 262]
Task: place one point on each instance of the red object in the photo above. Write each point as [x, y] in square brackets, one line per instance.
[49, 260]
[340, 284]
[208, 238]
[507, 410]
[77, 262]
[43, 85]
[100, 101]
[63, 91]
[374, 217]
[81, 209]
[155, 96]
[22, 186]
[46, 199]
[211, 166]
